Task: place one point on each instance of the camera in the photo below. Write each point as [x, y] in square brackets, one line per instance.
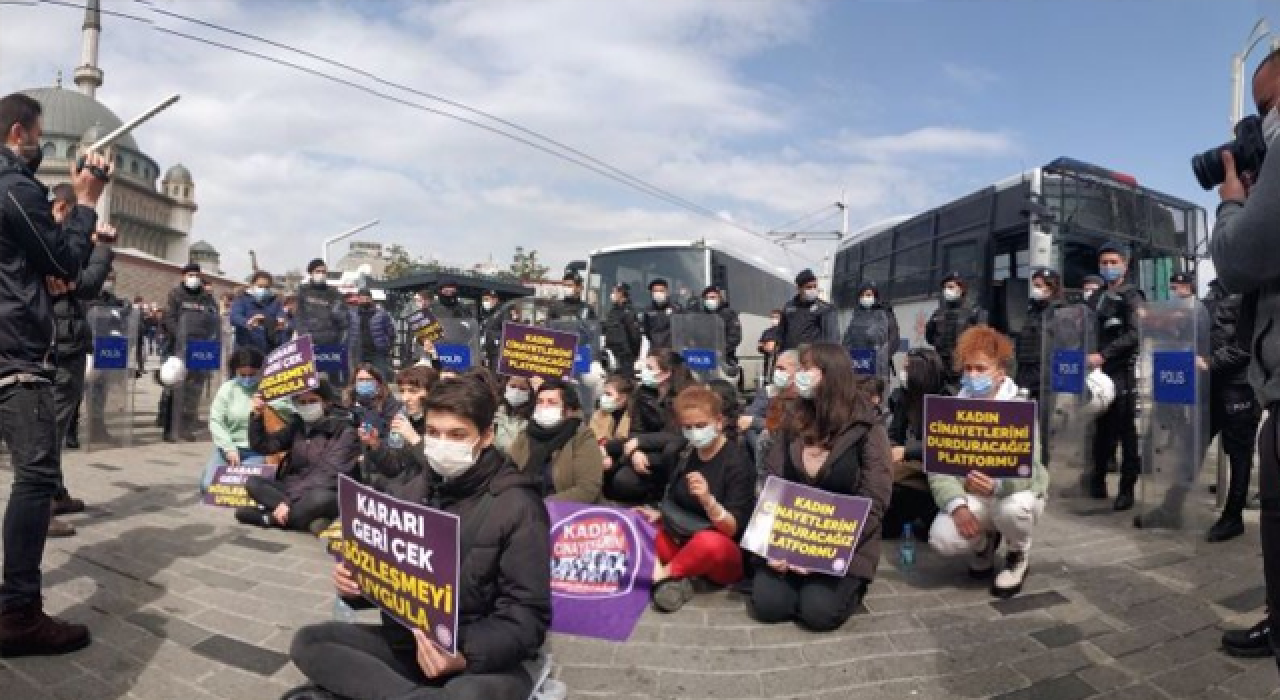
[1249, 149]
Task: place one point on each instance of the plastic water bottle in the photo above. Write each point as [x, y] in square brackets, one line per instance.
[343, 612]
[395, 440]
[907, 549]
[552, 689]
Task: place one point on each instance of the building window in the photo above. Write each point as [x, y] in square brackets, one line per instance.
[133, 167]
[71, 151]
[49, 150]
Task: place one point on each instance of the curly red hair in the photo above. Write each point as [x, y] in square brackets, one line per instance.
[983, 340]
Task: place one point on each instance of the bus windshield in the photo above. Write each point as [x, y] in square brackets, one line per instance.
[684, 269]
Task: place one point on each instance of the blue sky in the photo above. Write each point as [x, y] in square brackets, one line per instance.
[760, 110]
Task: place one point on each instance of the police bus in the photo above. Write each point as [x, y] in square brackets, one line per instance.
[753, 287]
[1057, 216]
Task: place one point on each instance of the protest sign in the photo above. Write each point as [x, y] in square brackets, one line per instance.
[805, 527]
[227, 490]
[404, 556]
[996, 438]
[529, 351]
[289, 370]
[425, 326]
[602, 562]
[333, 539]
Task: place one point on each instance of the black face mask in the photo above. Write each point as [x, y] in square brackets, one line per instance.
[448, 300]
[32, 155]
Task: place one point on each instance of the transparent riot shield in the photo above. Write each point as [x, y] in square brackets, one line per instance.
[1067, 414]
[867, 340]
[699, 338]
[109, 384]
[459, 348]
[588, 372]
[1174, 418]
[334, 363]
[200, 347]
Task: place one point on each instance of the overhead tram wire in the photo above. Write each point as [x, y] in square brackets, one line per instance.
[796, 221]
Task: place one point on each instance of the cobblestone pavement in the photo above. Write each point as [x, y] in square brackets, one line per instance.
[184, 603]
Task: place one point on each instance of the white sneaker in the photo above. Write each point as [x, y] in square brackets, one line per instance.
[983, 562]
[1009, 582]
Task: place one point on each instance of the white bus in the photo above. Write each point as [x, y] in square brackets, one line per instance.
[1053, 216]
[752, 286]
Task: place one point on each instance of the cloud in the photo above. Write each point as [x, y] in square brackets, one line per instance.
[931, 141]
[971, 78]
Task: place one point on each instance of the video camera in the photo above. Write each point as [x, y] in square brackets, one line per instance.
[1249, 150]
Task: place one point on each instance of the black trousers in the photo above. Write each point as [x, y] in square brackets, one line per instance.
[68, 389]
[1269, 485]
[1234, 414]
[1118, 425]
[817, 602]
[28, 428]
[357, 662]
[909, 505]
[314, 505]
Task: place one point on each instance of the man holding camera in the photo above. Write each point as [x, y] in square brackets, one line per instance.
[1243, 250]
[33, 247]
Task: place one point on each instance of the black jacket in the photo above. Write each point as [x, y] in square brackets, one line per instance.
[1031, 343]
[504, 596]
[457, 309]
[190, 315]
[655, 323]
[571, 309]
[622, 332]
[1118, 339]
[32, 247]
[806, 322]
[732, 329]
[322, 313]
[70, 310]
[1228, 353]
[948, 322]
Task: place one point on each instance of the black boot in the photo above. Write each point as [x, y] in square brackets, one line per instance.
[1124, 499]
[1229, 526]
[27, 631]
[1253, 643]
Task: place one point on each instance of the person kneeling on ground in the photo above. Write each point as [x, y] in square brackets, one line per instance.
[504, 599]
[832, 440]
[321, 443]
[709, 499]
[978, 511]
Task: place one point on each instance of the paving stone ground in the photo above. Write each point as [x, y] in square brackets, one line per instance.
[184, 603]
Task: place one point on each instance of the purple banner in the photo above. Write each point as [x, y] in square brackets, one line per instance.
[289, 370]
[807, 528]
[228, 487]
[530, 351]
[404, 557]
[996, 438]
[602, 562]
[425, 326]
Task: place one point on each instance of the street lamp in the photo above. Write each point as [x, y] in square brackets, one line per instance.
[324, 247]
[1260, 31]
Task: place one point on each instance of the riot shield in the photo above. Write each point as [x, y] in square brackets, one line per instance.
[333, 362]
[109, 385]
[1067, 418]
[1174, 418]
[459, 348]
[200, 347]
[588, 372]
[867, 341]
[699, 338]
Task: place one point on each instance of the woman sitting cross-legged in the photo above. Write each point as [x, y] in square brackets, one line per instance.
[321, 444]
[229, 415]
[558, 448]
[504, 595]
[832, 440]
[978, 511]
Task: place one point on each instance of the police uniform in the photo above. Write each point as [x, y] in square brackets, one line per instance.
[875, 327]
[806, 320]
[949, 321]
[621, 331]
[490, 331]
[1118, 343]
[729, 320]
[655, 321]
[1030, 339]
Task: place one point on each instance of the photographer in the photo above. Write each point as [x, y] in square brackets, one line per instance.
[32, 247]
[1243, 247]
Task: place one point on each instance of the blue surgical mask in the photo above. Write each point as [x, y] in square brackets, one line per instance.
[649, 378]
[366, 388]
[609, 404]
[977, 384]
[1111, 273]
[781, 378]
[806, 384]
[258, 293]
[247, 383]
[701, 438]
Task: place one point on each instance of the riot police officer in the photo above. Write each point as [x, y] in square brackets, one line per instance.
[572, 306]
[448, 305]
[193, 314]
[322, 312]
[622, 331]
[1089, 288]
[655, 322]
[806, 318]
[1045, 298]
[954, 315]
[715, 303]
[874, 326]
[490, 327]
[1118, 343]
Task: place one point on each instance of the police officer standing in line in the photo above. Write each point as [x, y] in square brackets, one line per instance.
[33, 247]
[621, 331]
[655, 321]
[1045, 299]
[1089, 287]
[954, 315]
[1118, 344]
[767, 345]
[322, 312]
[96, 392]
[490, 327]
[448, 305]
[572, 306]
[806, 318]
[873, 326]
[193, 314]
[715, 304]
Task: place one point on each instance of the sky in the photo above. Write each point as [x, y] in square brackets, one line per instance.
[758, 112]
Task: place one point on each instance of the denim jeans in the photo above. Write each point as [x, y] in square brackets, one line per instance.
[28, 427]
[217, 459]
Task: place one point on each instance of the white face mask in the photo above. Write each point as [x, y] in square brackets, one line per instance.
[902, 377]
[516, 397]
[711, 304]
[952, 294]
[811, 294]
[649, 377]
[488, 305]
[1039, 294]
[193, 283]
[806, 383]
[449, 458]
[781, 378]
[867, 302]
[701, 438]
[108, 286]
[548, 416]
[319, 279]
[609, 404]
[309, 413]
[774, 322]
[659, 297]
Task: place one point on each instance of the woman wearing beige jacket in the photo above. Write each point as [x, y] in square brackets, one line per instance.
[559, 448]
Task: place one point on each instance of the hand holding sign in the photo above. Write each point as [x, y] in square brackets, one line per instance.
[344, 581]
[436, 662]
[979, 484]
[232, 457]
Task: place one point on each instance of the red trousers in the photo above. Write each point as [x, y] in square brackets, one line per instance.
[708, 554]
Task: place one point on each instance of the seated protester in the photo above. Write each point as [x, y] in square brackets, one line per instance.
[731, 407]
[504, 595]
[978, 511]
[833, 441]
[874, 387]
[322, 443]
[772, 400]
[229, 414]
[413, 383]
[912, 501]
[655, 443]
[371, 401]
[611, 423]
[558, 448]
[708, 503]
[514, 413]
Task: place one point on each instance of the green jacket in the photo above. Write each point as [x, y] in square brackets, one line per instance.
[229, 415]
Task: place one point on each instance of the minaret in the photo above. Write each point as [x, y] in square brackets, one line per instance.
[88, 76]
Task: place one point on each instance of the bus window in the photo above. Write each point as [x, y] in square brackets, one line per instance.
[964, 257]
[1000, 268]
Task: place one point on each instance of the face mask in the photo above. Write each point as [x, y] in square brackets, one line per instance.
[811, 295]
[902, 377]
[951, 294]
[711, 304]
[448, 300]
[516, 397]
[309, 413]
[701, 438]
[1038, 294]
[366, 388]
[247, 383]
[867, 302]
[193, 283]
[449, 458]
[548, 416]
[659, 298]
[806, 384]
[1111, 273]
[31, 154]
[1088, 293]
[977, 384]
[108, 286]
[319, 280]
[487, 305]
[1271, 125]
[649, 378]
[608, 404]
[774, 322]
[258, 293]
[781, 378]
